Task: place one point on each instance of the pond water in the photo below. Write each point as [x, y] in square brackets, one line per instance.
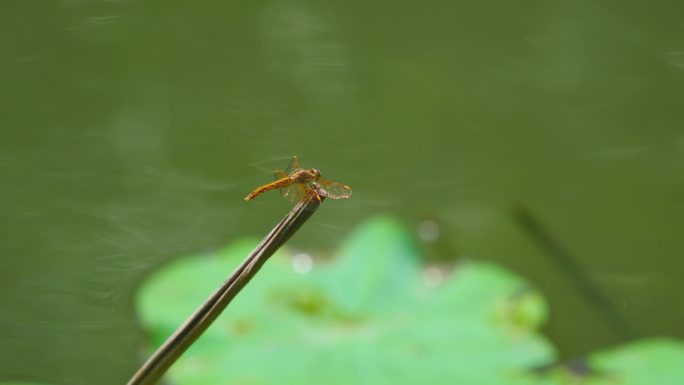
[546, 137]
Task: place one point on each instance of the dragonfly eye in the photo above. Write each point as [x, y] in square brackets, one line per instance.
[316, 173]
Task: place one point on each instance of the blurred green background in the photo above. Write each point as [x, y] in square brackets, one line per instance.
[131, 130]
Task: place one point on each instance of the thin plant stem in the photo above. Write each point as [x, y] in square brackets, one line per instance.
[569, 265]
[204, 316]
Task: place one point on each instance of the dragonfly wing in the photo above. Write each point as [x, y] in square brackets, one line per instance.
[335, 190]
[284, 191]
[288, 192]
[279, 174]
[294, 192]
[300, 192]
[293, 165]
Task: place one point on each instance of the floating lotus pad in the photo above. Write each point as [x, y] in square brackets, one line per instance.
[368, 318]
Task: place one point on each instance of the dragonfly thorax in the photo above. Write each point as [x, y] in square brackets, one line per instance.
[306, 175]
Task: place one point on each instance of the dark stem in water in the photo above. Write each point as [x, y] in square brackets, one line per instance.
[569, 265]
[193, 327]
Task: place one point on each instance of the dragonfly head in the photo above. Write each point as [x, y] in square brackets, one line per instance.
[315, 173]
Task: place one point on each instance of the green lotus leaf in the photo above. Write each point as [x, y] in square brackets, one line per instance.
[642, 362]
[367, 317]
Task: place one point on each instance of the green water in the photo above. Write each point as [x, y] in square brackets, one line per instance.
[130, 131]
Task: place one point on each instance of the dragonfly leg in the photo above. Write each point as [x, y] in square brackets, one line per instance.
[313, 194]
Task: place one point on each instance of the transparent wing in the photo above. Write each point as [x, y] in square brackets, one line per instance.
[288, 192]
[284, 191]
[294, 192]
[335, 190]
[278, 174]
[293, 165]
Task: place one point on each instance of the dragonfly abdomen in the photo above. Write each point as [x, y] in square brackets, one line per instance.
[280, 183]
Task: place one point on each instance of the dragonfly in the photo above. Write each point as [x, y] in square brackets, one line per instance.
[295, 183]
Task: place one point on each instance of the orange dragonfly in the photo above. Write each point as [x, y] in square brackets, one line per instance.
[295, 183]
